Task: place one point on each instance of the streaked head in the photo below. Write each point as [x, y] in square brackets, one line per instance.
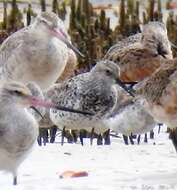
[107, 68]
[111, 72]
[155, 38]
[51, 23]
[21, 95]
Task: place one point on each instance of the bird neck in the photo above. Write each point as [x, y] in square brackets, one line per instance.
[148, 43]
[39, 33]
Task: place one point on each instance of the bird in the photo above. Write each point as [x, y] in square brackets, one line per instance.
[18, 127]
[158, 94]
[130, 118]
[92, 91]
[139, 55]
[38, 52]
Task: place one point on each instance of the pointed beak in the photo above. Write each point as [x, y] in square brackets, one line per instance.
[62, 36]
[128, 90]
[38, 102]
[173, 45]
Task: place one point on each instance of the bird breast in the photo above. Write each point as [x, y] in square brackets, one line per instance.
[38, 61]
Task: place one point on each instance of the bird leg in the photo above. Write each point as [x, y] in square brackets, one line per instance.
[81, 137]
[160, 124]
[145, 138]
[138, 139]
[107, 140]
[125, 138]
[92, 136]
[151, 134]
[53, 131]
[131, 140]
[45, 136]
[99, 140]
[15, 180]
[63, 133]
[173, 137]
[39, 138]
[69, 136]
[74, 134]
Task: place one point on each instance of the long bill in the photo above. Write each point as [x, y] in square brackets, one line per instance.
[128, 90]
[37, 111]
[59, 34]
[38, 102]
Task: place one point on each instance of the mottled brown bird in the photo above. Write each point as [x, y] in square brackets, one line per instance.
[159, 95]
[138, 56]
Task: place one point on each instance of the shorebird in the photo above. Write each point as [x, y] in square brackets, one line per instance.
[18, 128]
[130, 118]
[159, 95]
[138, 56]
[92, 91]
[38, 52]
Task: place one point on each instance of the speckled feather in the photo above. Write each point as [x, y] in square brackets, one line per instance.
[91, 92]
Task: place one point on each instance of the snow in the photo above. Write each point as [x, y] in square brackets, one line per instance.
[114, 167]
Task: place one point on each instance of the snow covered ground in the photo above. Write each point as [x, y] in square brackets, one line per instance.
[114, 167]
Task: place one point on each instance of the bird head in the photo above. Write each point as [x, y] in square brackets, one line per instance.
[52, 24]
[111, 71]
[155, 38]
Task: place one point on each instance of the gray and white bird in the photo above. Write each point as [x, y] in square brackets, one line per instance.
[138, 56]
[38, 52]
[130, 117]
[92, 91]
[18, 128]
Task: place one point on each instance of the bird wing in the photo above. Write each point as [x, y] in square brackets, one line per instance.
[123, 44]
[10, 45]
[84, 93]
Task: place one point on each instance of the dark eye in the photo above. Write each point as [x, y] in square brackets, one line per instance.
[43, 21]
[108, 72]
[16, 92]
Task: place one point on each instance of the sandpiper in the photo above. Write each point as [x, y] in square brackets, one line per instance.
[18, 128]
[140, 55]
[130, 118]
[92, 91]
[38, 52]
[158, 94]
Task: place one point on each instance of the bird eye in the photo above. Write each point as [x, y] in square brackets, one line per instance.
[16, 92]
[108, 72]
[43, 21]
